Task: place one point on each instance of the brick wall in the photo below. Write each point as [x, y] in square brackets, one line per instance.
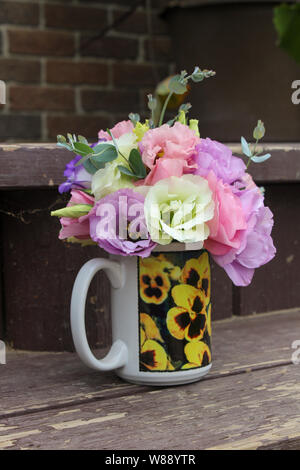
[59, 81]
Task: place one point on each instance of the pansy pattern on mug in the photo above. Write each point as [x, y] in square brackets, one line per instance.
[174, 311]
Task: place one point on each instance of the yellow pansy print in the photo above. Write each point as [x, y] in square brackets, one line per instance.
[154, 282]
[198, 355]
[149, 327]
[188, 319]
[152, 354]
[168, 267]
[196, 272]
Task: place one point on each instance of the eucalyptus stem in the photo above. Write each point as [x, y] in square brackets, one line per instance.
[164, 108]
[127, 161]
[253, 154]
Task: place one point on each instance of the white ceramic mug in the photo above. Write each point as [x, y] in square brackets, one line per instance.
[161, 324]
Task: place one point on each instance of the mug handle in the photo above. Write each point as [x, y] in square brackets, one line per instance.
[118, 354]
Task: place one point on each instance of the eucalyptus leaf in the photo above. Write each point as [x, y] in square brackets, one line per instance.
[101, 149]
[126, 171]
[245, 147]
[134, 118]
[176, 86]
[90, 168]
[70, 137]
[65, 145]
[137, 164]
[82, 139]
[261, 158]
[108, 155]
[61, 139]
[82, 149]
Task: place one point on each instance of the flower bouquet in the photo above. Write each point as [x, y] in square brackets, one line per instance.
[143, 190]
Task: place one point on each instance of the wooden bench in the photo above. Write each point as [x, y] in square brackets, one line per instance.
[250, 400]
[39, 270]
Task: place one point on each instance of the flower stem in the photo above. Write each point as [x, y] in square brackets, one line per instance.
[164, 108]
[253, 154]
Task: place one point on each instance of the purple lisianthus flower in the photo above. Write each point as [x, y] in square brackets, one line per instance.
[257, 246]
[212, 155]
[77, 176]
[117, 224]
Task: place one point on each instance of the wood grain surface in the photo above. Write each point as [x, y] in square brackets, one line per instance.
[250, 400]
[42, 165]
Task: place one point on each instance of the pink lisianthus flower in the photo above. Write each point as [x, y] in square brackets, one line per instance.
[212, 155]
[122, 127]
[228, 222]
[256, 248]
[168, 151]
[76, 227]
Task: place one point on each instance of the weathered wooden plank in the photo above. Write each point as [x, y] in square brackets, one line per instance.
[32, 165]
[42, 165]
[276, 285]
[31, 382]
[283, 167]
[204, 415]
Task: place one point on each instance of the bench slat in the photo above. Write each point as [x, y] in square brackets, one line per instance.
[239, 412]
[42, 165]
[31, 382]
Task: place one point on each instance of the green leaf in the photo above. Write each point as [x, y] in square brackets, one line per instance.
[101, 154]
[61, 139]
[126, 171]
[259, 131]
[90, 168]
[245, 147]
[137, 164]
[82, 139]
[134, 118]
[100, 161]
[176, 86]
[70, 137]
[261, 158]
[73, 211]
[199, 75]
[287, 24]
[82, 149]
[65, 145]
[100, 149]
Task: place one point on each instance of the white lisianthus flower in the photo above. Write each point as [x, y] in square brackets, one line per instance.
[178, 208]
[109, 179]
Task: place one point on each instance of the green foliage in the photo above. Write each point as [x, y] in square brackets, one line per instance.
[93, 159]
[259, 131]
[258, 134]
[287, 24]
[137, 168]
[75, 211]
[134, 118]
[178, 85]
[137, 164]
